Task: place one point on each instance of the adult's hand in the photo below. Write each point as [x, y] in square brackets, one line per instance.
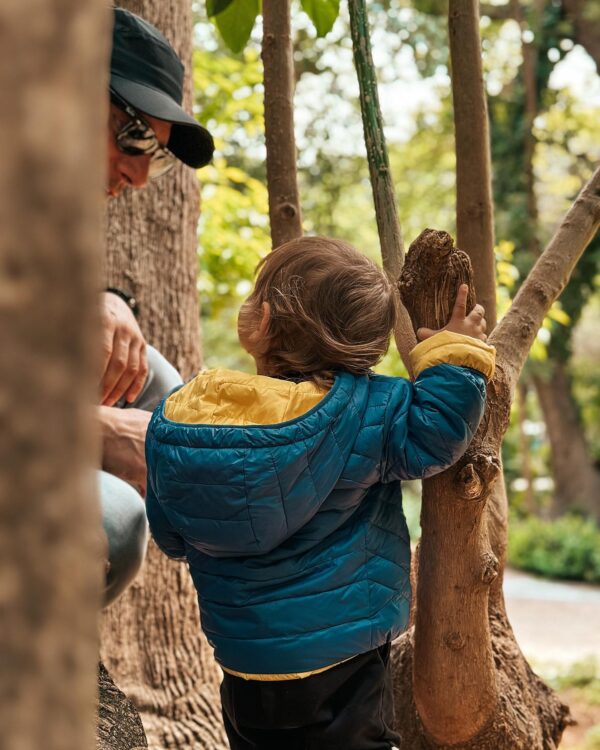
[123, 442]
[124, 363]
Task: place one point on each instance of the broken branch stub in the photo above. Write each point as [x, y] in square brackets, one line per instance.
[433, 271]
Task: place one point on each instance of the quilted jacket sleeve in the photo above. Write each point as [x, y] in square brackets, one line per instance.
[430, 423]
[163, 532]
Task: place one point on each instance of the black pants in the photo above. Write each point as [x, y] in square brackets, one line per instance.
[348, 707]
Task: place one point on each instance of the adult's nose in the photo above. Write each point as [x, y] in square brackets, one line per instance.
[134, 170]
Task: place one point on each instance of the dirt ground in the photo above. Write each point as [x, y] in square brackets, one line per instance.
[585, 715]
[557, 624]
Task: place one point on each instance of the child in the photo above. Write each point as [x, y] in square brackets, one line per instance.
[281, 490]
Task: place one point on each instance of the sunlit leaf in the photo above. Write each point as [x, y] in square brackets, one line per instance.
[236, 21]
[559, 315]
[322, 13]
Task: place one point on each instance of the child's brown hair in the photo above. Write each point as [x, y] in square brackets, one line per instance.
[331, 309]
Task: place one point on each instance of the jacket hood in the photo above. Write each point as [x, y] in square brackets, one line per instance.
[228, 397]
[276, 448]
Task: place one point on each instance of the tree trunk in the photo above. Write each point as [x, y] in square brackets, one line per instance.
[52, 124]
[472, 689]
[576, 480]
[119, 723]
[474, 214]
[151, 638]
[282, 182]
[453, 672]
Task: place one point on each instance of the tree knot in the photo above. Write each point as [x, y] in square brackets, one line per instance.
[475, 477]
[469, 482]
[489, 567]
[455, 640]
[287, 210]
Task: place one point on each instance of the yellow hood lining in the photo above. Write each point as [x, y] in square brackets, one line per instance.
[227, 397]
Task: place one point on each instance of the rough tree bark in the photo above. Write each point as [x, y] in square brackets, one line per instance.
[576, 479]
[282, 182]
[460, 636]
[151, 639]
[52, 124]
[460, 563]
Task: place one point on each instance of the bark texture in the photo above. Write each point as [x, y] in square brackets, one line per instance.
[576, 479]
[474, 213]
[52, 61]
[471, 687]
[527, 716]
[452, 643]
[151, 638]
[119, 723]
[282, 181]
[384, 194]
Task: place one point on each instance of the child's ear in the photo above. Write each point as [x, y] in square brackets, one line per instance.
[261, 331]
[265, 320]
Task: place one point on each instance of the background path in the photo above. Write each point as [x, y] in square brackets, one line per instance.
[556, 622]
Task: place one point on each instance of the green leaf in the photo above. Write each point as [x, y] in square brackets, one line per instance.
[322, 13]
[214, 7]
[236, 21]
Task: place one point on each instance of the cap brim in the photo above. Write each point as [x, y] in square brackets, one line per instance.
[189, 141]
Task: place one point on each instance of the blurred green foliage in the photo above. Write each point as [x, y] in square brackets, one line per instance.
[568, 547]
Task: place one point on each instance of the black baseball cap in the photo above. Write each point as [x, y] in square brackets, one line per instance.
[146, 71]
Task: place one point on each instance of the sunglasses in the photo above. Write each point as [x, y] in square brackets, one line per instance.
[136, 138]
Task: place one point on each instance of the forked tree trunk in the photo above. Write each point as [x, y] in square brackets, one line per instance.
[472, 686]
[576, 479]
[151, 638]
[53, 59]
[282, 182]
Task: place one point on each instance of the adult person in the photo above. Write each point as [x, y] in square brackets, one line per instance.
[148, 131]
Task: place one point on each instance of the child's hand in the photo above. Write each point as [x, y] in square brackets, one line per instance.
[472, 324]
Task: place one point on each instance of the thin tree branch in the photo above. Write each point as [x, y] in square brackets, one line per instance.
[384, 195]
[516, 332]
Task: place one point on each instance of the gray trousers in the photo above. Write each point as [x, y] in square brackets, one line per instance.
[123, 509]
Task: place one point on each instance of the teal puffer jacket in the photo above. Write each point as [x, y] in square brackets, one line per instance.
[294, 532]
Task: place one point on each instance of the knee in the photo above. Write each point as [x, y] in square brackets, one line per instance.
[126, 528]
